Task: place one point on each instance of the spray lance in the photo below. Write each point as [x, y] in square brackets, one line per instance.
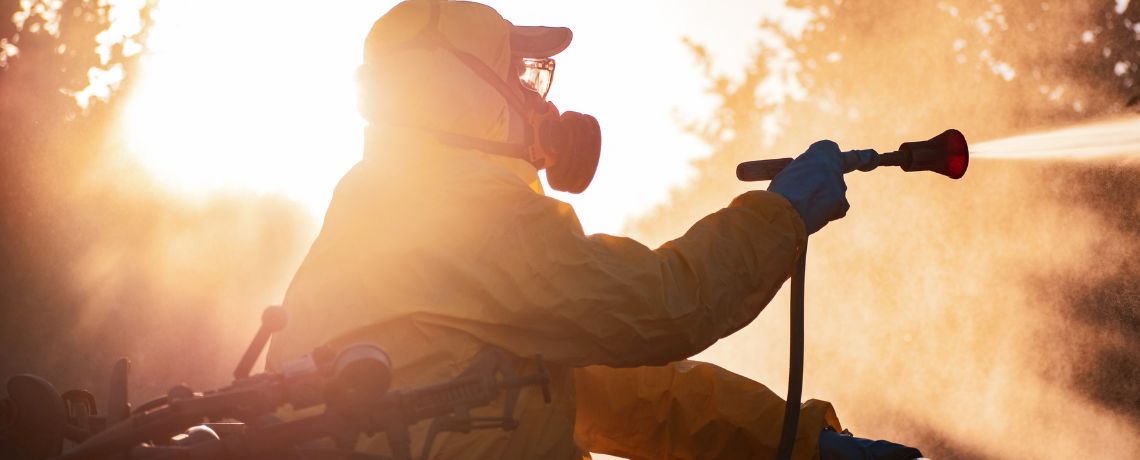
[946, 154]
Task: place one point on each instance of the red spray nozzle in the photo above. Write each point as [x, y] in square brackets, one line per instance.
[946, 154]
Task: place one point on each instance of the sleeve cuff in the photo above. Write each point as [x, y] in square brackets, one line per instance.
[774, 208]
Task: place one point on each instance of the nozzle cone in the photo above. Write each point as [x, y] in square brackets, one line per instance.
[946, 154]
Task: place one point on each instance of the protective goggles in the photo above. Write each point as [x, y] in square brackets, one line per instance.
[537, 75]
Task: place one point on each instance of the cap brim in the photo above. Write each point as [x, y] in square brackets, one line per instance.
[539, 41]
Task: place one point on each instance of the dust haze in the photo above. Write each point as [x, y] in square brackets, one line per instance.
[99, 260]
[117, 267]
[991, 317]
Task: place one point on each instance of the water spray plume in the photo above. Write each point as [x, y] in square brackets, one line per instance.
[947, 154]
[1101, 139]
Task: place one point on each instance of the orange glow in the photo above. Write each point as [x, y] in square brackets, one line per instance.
[265, 111]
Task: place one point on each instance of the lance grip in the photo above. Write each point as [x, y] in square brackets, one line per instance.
[757, 170]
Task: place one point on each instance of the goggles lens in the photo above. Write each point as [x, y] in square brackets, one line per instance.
[537, 75]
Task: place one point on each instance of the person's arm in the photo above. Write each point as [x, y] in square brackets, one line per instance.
[601, 299]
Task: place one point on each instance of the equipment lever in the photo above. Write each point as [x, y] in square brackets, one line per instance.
[272, 320]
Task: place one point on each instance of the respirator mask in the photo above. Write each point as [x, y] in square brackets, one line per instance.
[567, 145]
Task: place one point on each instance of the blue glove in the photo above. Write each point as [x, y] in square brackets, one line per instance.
[844, 446]
[813, 182]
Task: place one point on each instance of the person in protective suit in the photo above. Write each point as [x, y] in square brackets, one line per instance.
[440, 244]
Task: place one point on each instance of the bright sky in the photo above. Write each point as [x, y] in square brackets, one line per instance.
[259, 95]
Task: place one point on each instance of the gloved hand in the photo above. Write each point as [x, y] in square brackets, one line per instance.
[845, 446]
[813, 182]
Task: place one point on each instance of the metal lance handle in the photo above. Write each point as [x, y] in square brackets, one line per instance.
[758, 170]
[946, 154]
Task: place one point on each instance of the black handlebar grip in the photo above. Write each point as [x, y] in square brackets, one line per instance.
[751, 171]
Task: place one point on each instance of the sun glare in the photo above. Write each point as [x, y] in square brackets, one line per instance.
[226, 103]
[259, 95]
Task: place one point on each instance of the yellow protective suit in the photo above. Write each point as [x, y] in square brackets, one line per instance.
[435, 252]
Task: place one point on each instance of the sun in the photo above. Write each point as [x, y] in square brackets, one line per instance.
[226, 102]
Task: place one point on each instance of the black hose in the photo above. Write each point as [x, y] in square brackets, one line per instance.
[795, 362]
